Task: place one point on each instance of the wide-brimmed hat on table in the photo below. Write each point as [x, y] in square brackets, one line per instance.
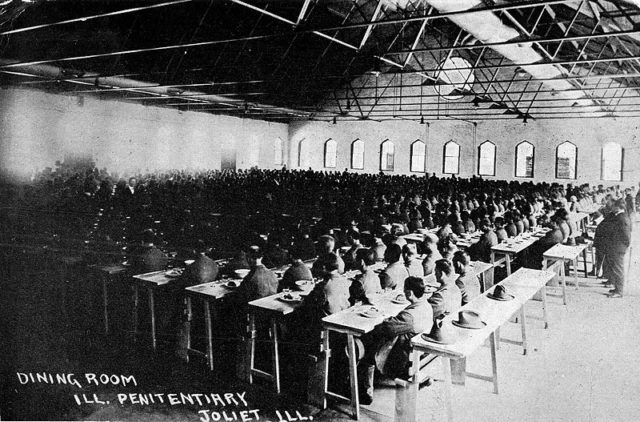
[469, 319]
[440, 333]
[500, 293]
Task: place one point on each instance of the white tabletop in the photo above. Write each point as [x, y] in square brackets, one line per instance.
[523, 285]
[561, 251]
[213, 290]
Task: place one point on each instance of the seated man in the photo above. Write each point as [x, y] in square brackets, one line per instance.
[395, 273]
[326, 245]
[378, 246]
[447, 299]
[147, 257]
[297, 271]
[260, 282]
[549, 240]
[305, 246]
[389, 344]
[481, 250]
[447, 247]
[468, 283]
[430, 249]
[349, 256]
[411, 261]
[367, 283]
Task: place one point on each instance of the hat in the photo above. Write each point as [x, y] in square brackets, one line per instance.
[500, 293]
[439, 333]
[469, 319]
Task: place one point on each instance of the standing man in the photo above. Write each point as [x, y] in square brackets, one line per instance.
[616, 239]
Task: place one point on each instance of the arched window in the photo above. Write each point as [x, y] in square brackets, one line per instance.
[357, 155]
[330, 153]
[524, 159]
[612, 158]
[302, 154]
[278, 152]
[418, 152]
[566, 161]
[487, 159]
[451, 162]
[387, 152]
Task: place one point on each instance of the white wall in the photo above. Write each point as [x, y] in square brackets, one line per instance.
[588, 135]
[38, 128]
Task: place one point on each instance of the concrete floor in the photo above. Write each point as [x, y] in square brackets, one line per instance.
[585, 367]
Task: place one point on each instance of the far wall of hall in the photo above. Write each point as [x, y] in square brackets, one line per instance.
[37, 128]
[589, 135]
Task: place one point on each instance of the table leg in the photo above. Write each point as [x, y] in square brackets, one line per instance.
[524, 329]
[327, 352]
[105, 304]
[508, 259]
[207, 321]
[545, 314]
[584, 256]
[575, 272]
[252, 346]
[136, 300]
[459, 371]
[446, 367]
[274, 355]
[353, 377]
[152, 310]
[564, 283]
[494, 361]
[188, 330]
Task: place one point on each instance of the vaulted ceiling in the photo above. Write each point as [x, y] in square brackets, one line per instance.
[285, 60]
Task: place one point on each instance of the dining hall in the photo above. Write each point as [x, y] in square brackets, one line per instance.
[319, 210]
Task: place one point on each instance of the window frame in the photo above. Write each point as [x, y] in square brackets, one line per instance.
[444, 157]
[326, 144]
[382, 156]
[575, 163]
[424, 156]
[533, 159]
[276, 142]
[602, 159]
[495, 157]
[353, 143]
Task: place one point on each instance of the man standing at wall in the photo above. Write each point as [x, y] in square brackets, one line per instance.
[616, 236]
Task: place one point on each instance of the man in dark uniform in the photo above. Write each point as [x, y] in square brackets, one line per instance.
[616, 238]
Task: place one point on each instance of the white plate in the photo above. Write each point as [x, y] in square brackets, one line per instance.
[290, 298]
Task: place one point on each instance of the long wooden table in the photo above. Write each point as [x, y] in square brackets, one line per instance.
[152, 281]
[514, 246]
[566, 253]
[523, 285]
[274, 307]
[209, 293]
[351, 323]
[106, 273]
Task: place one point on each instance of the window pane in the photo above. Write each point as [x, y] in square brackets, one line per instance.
[451, 158]
[357, 155]
[330, 149]
[566, 161]
[277, 150]
[418, 150]
[387, 153]
[612, 162]
[303, 159]
[487, 163]
[524, 160]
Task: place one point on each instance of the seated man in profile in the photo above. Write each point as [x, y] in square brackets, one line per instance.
[467, 282]
[388, 346]
[411, 261]
[326, 246]
[393, 276]
[367, 283]
[430, 249]
[297, 271]
[447, 299]
[349, 256]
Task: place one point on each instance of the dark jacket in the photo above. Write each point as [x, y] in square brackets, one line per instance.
[297, 271]
[260, 282]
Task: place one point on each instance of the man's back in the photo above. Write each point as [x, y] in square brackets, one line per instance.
[446, 300]
[260, 282]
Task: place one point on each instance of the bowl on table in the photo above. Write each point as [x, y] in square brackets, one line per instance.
[242, 273]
